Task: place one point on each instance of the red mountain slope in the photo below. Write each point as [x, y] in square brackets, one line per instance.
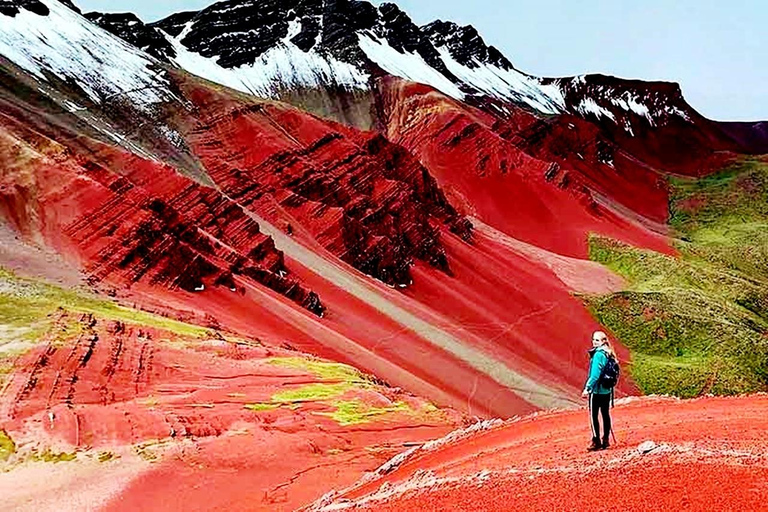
[150, 418]
[550, 203]
[322, 191]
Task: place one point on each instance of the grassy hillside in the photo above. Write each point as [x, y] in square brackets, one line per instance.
[697, 323]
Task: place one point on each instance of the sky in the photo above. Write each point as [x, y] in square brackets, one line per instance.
[716, 49]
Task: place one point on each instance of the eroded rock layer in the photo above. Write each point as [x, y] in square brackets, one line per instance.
[362, 197]
[136, 220]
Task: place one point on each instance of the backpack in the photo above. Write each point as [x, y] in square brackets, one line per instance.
[610, 374]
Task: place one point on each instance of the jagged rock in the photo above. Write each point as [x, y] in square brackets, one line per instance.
[339, 45]
[130, 28]
[465, 44]
[72, 6]
[364, 198]
[12, 7]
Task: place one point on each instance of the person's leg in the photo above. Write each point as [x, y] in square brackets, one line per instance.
[605, 409]
[594, 413]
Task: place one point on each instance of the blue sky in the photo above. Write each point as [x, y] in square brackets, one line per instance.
[716, 49]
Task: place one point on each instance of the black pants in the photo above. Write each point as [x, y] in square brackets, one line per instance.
[600, 404]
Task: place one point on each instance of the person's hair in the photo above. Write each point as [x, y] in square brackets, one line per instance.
[608, 346]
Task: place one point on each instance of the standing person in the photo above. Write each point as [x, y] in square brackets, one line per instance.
[598, 390]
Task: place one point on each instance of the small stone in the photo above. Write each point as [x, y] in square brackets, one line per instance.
[646, 447]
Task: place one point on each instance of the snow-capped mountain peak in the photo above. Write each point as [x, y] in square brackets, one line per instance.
[48, 39]
[271, 47]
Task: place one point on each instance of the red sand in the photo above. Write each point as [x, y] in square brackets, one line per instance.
[119, 388]
[710, 454]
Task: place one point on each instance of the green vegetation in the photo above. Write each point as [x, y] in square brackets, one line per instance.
[311, 393]
[322, 369]
[353, 412]
[697, 323]
[50, 456]
[107, 456]
[261, 407]
[7, 446]
[28, 304]
[338, 379]
[317, 392]
[8, 449]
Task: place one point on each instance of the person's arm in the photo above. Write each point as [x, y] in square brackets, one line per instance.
[595, 370]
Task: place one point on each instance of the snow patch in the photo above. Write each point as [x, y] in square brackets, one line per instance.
[506, 84]
[283, 66]
[67, 45]
[294, 29]
[406, 65]
[590, 106]
[631, 104]
[673, 110]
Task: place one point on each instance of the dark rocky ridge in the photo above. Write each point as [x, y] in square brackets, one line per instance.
[72, 6]
[12, 7]
[131, 29]
[237, 32]
[465, 44]
[174, 24]
[240, 31]
[662, 99]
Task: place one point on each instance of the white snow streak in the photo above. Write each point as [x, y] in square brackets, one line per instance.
[69, 46]
[283, 66]
[507, 84]
[589, 106]
[406, 65]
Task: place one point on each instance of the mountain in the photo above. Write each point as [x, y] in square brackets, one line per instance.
[317, 229]
[271, 48]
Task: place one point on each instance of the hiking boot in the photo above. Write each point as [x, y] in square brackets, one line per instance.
[595, 446]
[605, 445]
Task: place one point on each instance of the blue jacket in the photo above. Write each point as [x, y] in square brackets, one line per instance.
[598, 358]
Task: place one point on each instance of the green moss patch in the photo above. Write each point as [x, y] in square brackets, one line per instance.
[342, 379]
[354, 412]
[261, 407]
[7, 446]
[53, 457]
[30, 303]
[322, 369]
[317, 392]
[107, 456]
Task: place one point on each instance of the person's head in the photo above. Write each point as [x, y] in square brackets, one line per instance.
[600, 339]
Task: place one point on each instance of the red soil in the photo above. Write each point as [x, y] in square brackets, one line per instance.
[709, 453]
[125, 219]
[366, 200]
[124, 389]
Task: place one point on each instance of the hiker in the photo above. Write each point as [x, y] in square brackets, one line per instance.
[603, 375]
